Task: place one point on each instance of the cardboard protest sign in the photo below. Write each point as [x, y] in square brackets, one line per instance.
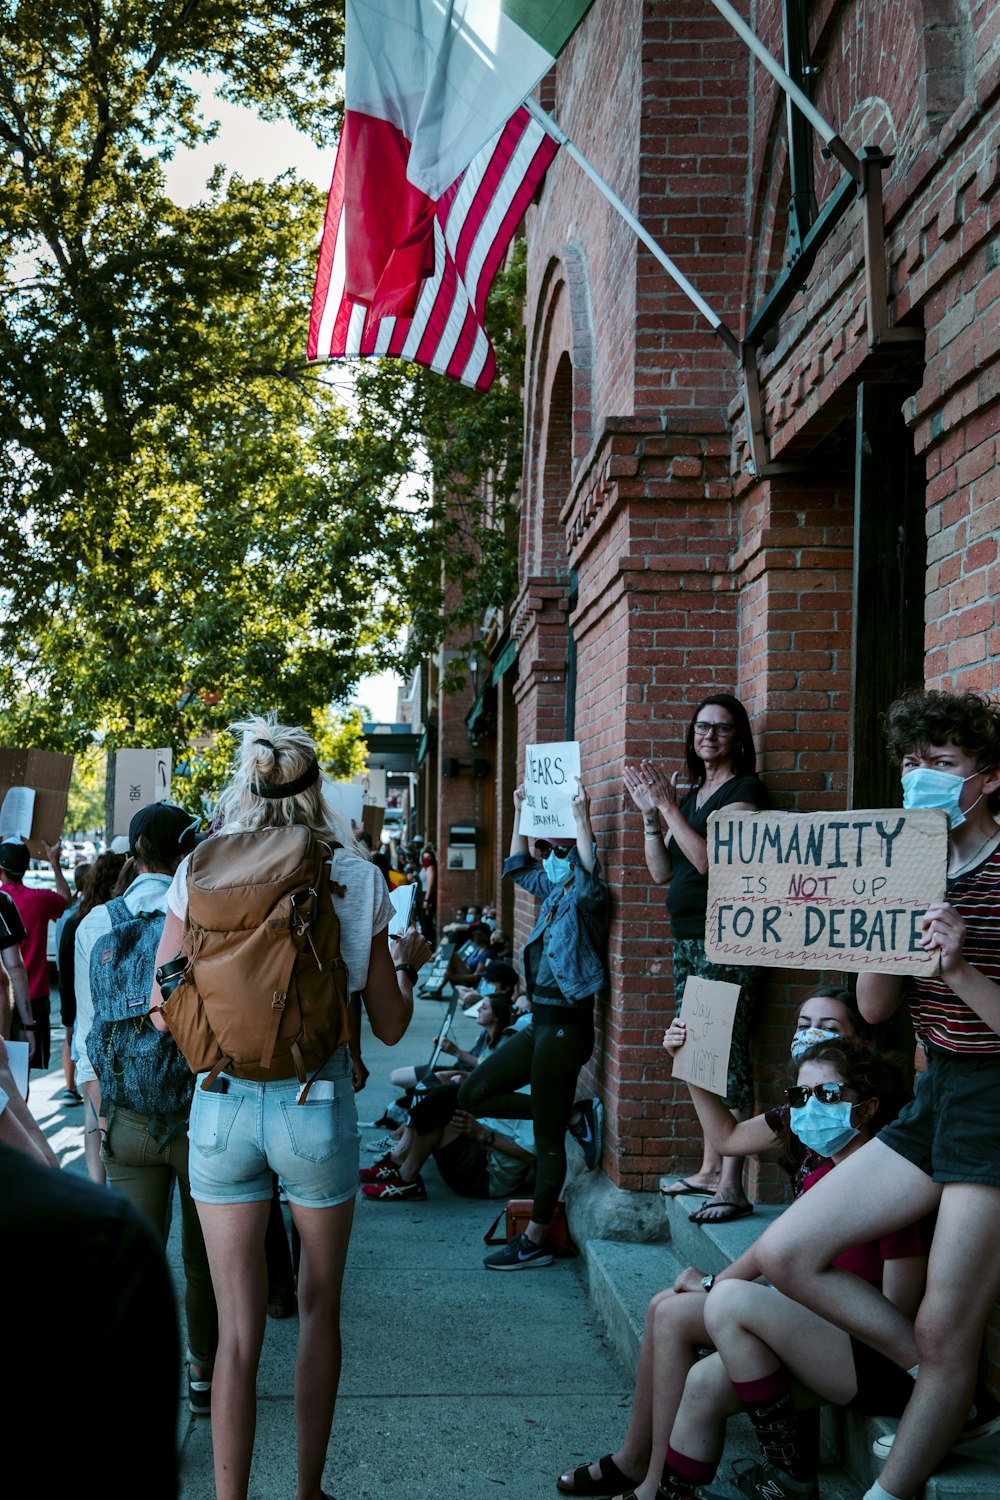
[708, 1010]
[374, 784]
[346, 797]
[141, 777]
[48, 774]
[839, 890]
[550, 775]
[372, 818]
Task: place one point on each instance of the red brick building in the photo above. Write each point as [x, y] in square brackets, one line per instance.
[815, 536]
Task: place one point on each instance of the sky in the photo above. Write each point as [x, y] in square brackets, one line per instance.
[257, 148]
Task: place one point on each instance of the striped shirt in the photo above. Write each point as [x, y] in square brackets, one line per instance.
[939, 1016]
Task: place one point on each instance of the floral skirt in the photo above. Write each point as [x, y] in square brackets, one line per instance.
[689, 958]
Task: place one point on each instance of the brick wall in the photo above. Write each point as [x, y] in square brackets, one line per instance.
[692, 574]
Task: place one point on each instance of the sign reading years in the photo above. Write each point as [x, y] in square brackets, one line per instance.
[550, 777]
[708, 1010]
[841, 890]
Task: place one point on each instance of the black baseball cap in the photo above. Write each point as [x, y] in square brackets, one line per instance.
[170, 829]
[505, 975]
[15, 857]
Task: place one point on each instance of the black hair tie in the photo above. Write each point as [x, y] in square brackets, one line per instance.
[289, 788]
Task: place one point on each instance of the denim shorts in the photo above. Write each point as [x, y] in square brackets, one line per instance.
[240, 1136]
[951, 1129]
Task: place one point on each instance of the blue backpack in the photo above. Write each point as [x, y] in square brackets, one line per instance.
[139, 1068]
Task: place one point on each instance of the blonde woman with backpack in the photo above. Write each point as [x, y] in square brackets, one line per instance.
[274, 1086]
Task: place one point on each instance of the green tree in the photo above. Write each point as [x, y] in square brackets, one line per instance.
[192, 524]
[85, 807]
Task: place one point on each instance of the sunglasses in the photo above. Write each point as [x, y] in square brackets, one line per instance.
[826, 1093]
[544, 849]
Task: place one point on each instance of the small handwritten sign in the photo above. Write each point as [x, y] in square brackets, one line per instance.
[708, 1010]
[550, 777]
[841, 890]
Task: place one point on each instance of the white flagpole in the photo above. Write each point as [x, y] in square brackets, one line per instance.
[825, 131]
[558, 134]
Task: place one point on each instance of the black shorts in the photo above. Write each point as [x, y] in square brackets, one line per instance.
[464, 1166]
[883, 1388]
[40, 1010]
[951, 1128]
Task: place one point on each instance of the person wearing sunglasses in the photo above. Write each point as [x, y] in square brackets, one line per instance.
[775, 1359]
[720, 764]
[945, 1149]
[675, 1334]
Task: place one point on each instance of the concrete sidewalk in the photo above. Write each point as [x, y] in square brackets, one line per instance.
[458, 1382]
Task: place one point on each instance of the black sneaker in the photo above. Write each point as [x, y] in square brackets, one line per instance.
[518, 1254]
[199, 1395]
[764, 1482]
[588, 1132]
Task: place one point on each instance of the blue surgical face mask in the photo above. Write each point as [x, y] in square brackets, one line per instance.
[925, 787]
[823, 1128]
[810, 1037]
[486, 988]
[557, 868]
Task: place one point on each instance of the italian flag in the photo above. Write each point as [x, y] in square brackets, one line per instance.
[429, 84]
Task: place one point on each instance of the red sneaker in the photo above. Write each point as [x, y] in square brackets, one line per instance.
[388, 1192]
[384, 1170]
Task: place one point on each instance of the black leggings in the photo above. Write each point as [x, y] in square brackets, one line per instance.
[548, 1054]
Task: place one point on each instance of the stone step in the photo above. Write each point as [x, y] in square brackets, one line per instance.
[712, 1247]
[622, 1279]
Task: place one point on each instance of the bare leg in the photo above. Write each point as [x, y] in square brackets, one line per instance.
[68, 1065]
[417, 1149]
[963, 1282]
[727, 1173]
[234, 1238]
[325, 1234]
[874, 1192]
[403, 1078]
[699, 1430]
[674, 1332]
[755, 1329]
[93, 1125]
[679, 1333]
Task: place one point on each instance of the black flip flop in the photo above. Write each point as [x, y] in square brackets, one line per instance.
[688, 1190]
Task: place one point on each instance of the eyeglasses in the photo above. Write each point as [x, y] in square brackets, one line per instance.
[826, 1093]
[545, 849]
[706, 729]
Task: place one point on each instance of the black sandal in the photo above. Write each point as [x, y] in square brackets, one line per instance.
[612, 1480]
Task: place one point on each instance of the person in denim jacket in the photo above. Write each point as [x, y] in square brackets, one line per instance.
[564, 963]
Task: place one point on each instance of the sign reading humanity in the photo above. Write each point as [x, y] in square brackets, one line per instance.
[843, 890]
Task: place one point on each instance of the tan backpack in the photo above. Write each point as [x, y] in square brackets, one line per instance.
[264, 995]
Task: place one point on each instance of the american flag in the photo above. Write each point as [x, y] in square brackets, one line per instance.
[475, 220]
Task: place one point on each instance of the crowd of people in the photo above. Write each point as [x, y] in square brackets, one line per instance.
[870, 1291]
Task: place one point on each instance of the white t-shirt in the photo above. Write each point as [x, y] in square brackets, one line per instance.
[364, 909]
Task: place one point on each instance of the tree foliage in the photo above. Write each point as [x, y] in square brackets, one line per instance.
[192, 523]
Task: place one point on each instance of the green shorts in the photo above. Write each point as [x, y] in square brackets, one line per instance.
[951, 1129]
